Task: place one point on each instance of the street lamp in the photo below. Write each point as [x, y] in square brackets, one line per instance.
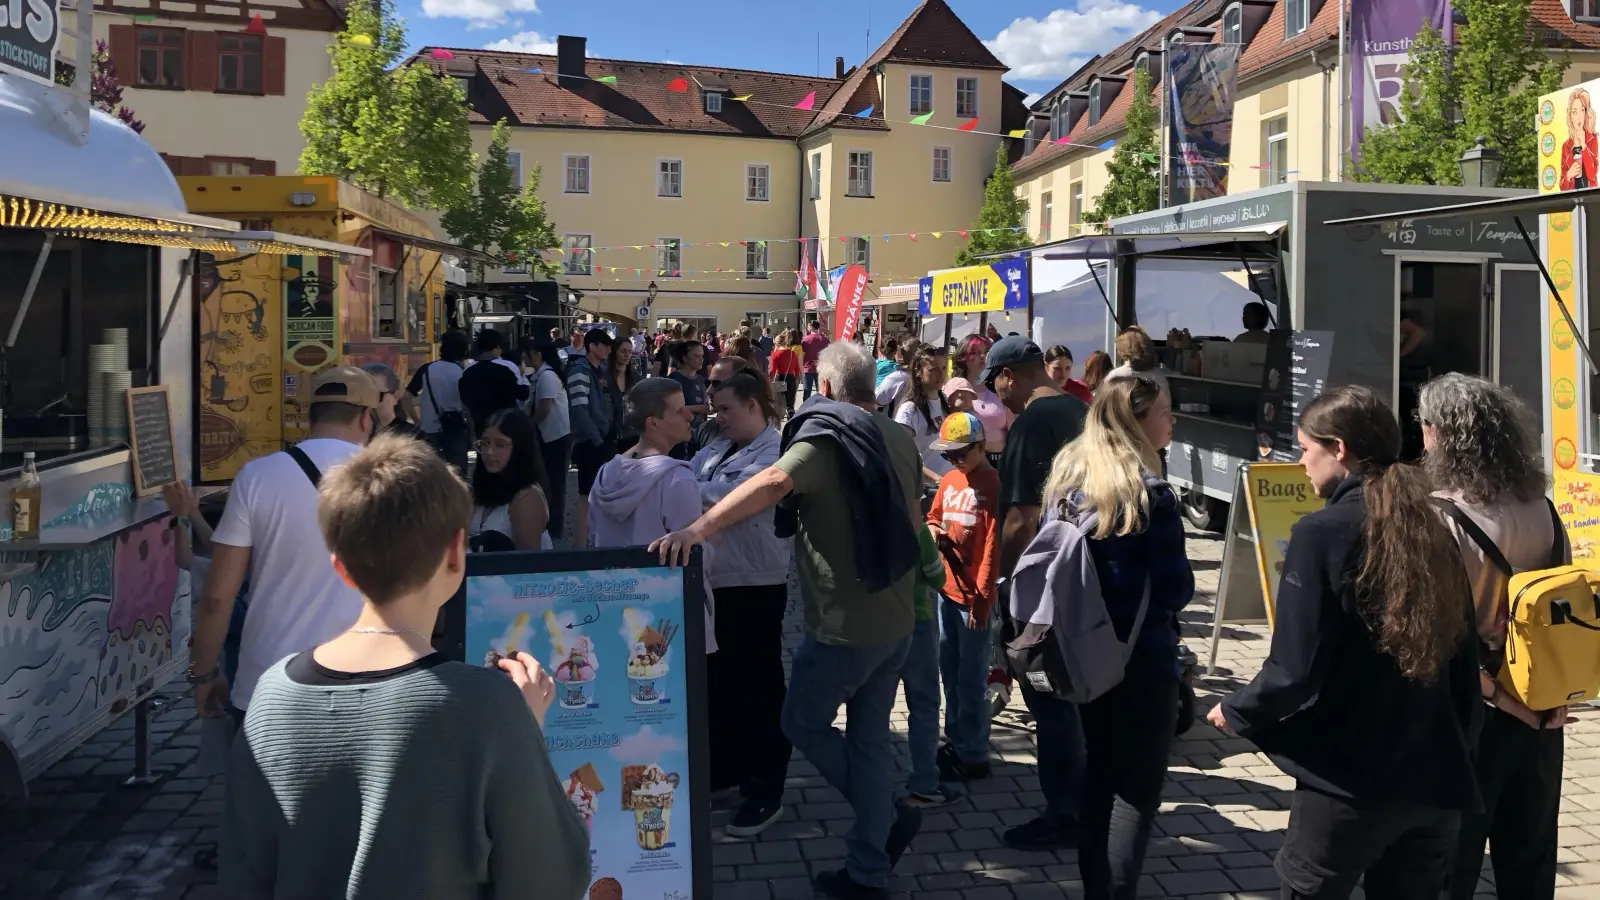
[1480, 166]
[650, 294]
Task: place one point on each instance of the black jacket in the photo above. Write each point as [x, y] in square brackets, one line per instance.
[1332, 709]
[886, 544]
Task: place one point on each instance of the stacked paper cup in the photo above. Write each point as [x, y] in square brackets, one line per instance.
[100, 356]
[115, 416]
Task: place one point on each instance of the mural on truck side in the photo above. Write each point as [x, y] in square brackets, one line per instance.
[308, 335]
[237, 366]
[84, 631]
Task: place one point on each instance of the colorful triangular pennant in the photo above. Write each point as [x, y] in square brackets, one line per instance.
[807, 102]
[607, 79]
[922, 119]
[741, 99]
[1020, 132]
[865, 113]
[441, 53]
[256, 26]
[678, 85]
[971, 124]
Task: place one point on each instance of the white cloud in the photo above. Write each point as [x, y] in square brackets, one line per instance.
[1031, 98]
[1055, 46]
[671, 62]
[524, 42]
[478, 13]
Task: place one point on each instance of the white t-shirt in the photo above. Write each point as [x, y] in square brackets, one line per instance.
[924, 433]
[443, 380]
[296, 599]
[548, 386]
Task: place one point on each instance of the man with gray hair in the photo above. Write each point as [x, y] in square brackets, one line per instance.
[849, 485]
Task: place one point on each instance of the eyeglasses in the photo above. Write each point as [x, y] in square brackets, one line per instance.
[956, 456]
[493, 445]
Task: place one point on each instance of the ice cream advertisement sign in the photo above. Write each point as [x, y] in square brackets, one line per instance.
[626, 648]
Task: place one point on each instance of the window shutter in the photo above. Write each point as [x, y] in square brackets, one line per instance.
[272, 66]
[123, 47]
[200, 66]
[263, 167]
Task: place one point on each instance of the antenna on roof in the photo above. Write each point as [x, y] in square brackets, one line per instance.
[869, 27]
[819, 54]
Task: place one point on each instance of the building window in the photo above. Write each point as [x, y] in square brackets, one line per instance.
[941, 164]
[1275, 150]
[161, 58]
[388, 302]
[669, 178]
[1058, 120]
[669, 257]
[966, 98]
[756, 182]
[514, 160]
[1585, 10]
[1176, 38]
[1142, 64]
[216, 165]
[239, 63]
[1075, 210]
[1094, 104]
[464, 82]
[859, 182]
[1296, 16]
[816, 175]
[859, 253]
[577, 255]
[713, 102]
[1233, 25]
[755, 259]
[921, 94]
[577, 181]
[1047, 214]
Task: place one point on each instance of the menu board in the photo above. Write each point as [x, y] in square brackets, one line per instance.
[155, 463]
[1294, 373]
[624, 639]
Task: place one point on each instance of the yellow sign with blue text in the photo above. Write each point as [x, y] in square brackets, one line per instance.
[1278, 495]
[998, 286]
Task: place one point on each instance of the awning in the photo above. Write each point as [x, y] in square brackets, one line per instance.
[1527, 205]
[400, 237]
[221, 241]
[33, 206]
[1117, 246]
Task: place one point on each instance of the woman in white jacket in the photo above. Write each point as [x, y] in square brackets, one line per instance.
[749, 572]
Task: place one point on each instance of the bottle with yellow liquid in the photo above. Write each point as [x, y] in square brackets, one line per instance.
[26, 499]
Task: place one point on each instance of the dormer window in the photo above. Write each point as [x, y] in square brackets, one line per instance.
[1058, 119]
[1175, 39]
[1233, 24]
[1296, 17]
[1094, 103]
[1142, 63]
[713, 102]
[1586, 10]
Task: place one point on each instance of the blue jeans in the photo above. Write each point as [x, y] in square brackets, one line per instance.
[859, 762]
[920, 675]
[1061, 755]
[810, 379]
[964, 663]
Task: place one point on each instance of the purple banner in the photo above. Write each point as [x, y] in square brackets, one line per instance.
[1202, 81]
[1381, 34]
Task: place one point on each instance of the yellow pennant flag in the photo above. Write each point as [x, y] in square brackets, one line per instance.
[723, 243]
[937, 234]
[742, 99]
[1020, 132]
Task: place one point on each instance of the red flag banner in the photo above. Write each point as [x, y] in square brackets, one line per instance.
[847, 302]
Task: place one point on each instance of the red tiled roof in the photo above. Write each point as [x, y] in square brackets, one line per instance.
[1270, 46]
[1552, 24]
[640, 99]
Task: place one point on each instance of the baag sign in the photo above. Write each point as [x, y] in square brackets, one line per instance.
[30, 31]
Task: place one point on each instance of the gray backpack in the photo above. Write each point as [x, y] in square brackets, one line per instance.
[1063, 642]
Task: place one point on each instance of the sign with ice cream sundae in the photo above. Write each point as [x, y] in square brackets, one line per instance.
[623, 639]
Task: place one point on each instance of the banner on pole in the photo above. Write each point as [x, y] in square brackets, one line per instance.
[1381, 35]
[1201, 84]
[852, 286]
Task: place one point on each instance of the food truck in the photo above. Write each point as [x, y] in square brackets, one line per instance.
[270, 322]
[96, 252]
[1386, 307]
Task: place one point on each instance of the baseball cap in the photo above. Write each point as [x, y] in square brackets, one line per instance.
[1006, 352]
[960, 429]
[956, 385]
[345, 384]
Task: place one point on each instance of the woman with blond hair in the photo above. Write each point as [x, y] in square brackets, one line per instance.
[1579, 152]
[1108, 481]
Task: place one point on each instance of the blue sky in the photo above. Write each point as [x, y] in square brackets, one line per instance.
[1042, 40]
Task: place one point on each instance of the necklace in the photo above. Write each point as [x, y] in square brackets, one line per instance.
[368, 630]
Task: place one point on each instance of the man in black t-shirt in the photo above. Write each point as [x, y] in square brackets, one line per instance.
[1047, 420]
[487, 386]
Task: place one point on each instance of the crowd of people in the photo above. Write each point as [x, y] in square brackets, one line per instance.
[906, 491]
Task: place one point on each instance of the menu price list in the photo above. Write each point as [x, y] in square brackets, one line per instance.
[1295, 371]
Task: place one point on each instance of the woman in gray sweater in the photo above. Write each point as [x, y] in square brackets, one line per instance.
[370, 766]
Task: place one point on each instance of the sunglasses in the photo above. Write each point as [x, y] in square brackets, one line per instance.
[956, 456]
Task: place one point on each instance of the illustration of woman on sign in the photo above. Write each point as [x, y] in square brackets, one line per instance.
[1580, 153]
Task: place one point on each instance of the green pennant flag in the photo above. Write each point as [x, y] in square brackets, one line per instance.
[922, 119]
[607, 79]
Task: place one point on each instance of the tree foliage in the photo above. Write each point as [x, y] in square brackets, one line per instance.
[105, 92]
[498, 218]
[1135, 165]
[399, 132]
[1488, 85]
[1002, 220]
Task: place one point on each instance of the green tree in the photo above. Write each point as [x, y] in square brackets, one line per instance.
[399, 132]
[498, 218]
[1002, 219]
[1135, 165]
[1485, 86]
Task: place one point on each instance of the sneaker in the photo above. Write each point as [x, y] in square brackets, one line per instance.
[753, 818]
[951, 768]
[1042, 833]
[940, 796]
[907, 822]
[839, 884]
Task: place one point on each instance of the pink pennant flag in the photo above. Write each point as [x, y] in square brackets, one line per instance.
[810, 99]
[962, 233]
[913, 236]
[441, 53]
[678, 84]
[842, 239]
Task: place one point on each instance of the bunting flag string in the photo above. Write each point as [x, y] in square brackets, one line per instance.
[766, 242]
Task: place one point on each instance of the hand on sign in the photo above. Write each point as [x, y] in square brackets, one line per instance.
[536, 685]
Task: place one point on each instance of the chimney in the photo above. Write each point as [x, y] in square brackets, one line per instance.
[570, 53]
[838, 67]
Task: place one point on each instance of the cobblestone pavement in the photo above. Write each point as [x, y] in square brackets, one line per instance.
[83, 835]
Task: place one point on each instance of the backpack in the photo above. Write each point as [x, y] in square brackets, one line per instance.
[1064, 642]
[1552, 651]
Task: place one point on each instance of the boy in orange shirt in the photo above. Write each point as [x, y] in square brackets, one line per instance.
[964, 523]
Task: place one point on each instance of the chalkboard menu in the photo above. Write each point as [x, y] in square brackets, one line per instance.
[150, 428]
[1295, 371]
